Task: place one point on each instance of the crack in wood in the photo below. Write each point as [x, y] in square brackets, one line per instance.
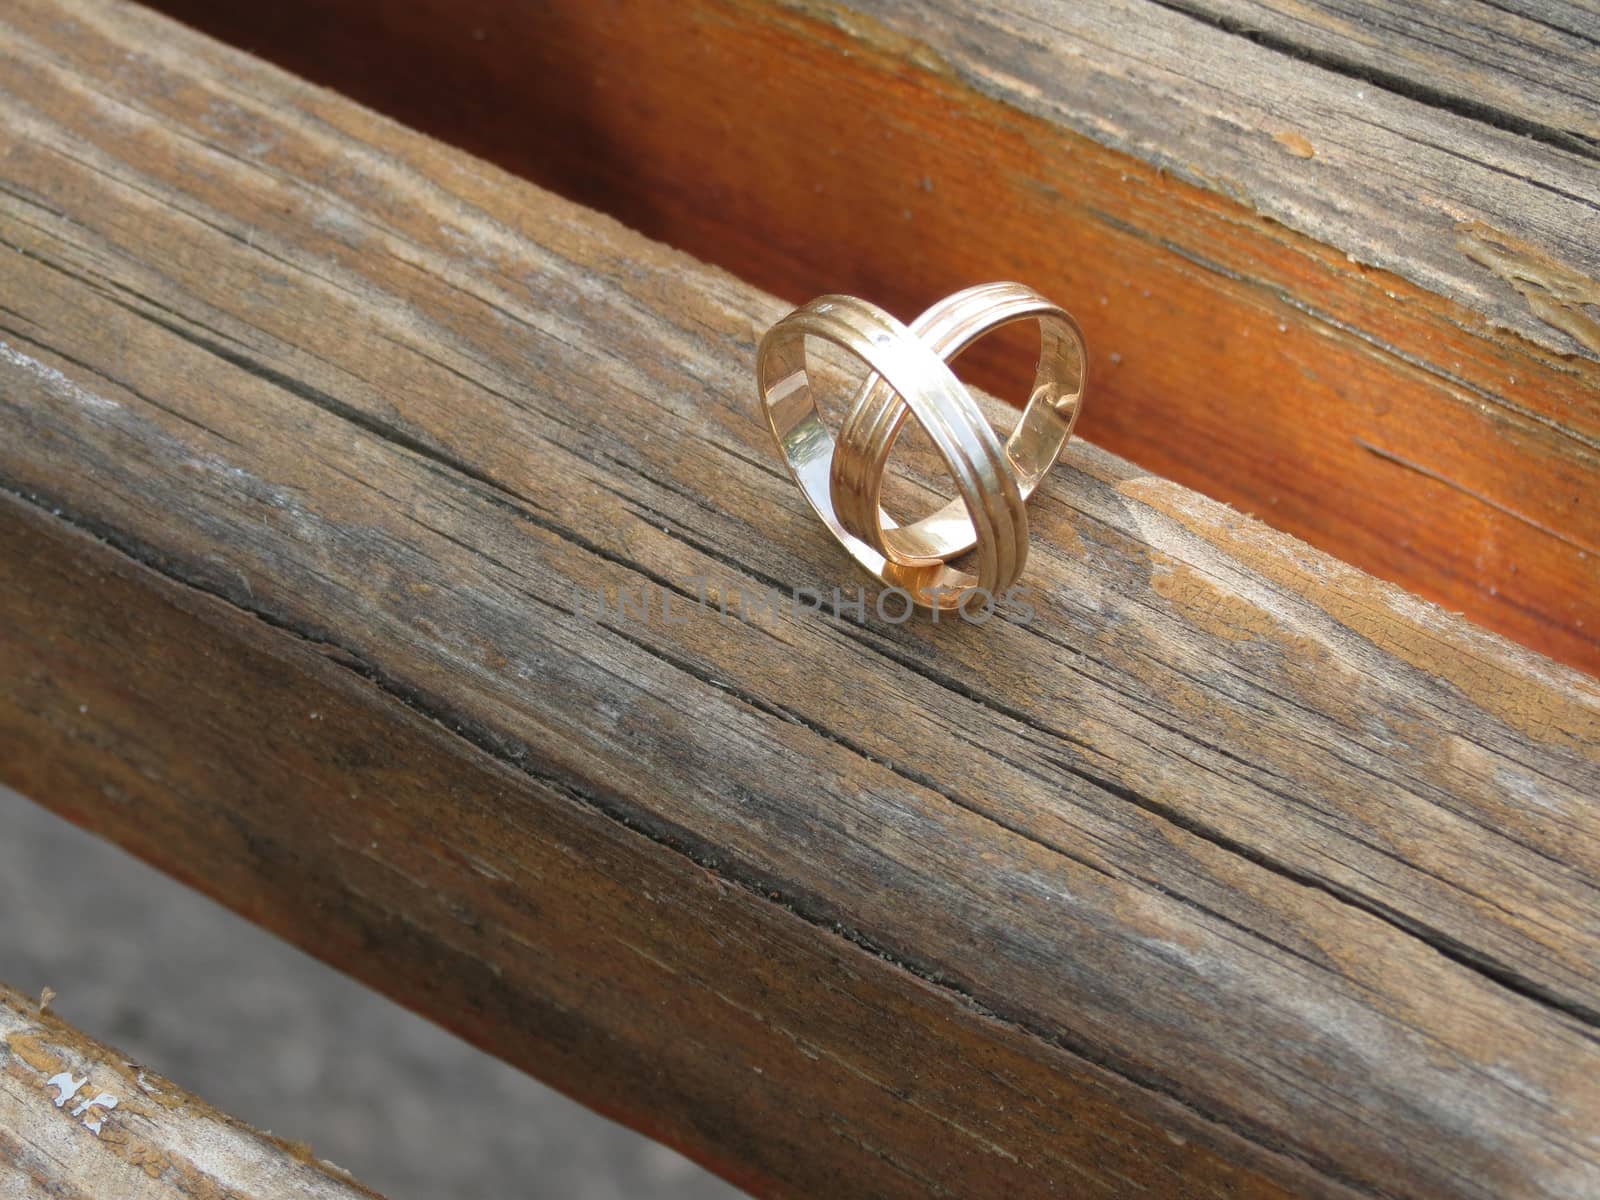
[1409, 87]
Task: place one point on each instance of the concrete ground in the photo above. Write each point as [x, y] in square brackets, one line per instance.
[288, 1044]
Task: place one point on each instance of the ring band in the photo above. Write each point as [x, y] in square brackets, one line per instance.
[948, 328]
[909, 375]
[984, 477]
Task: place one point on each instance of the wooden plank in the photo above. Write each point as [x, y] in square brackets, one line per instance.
[80, 1121]
[1528, 67]
[1234, 871]
[624, 955]
[1384, 128]
[1298, 234]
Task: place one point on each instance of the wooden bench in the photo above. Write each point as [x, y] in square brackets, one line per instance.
[1235, 871]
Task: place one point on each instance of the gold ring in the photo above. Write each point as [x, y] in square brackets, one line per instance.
[948, 328]
[909, 376]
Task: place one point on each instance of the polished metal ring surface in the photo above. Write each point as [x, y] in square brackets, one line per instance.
[861, 459]
[908, 375]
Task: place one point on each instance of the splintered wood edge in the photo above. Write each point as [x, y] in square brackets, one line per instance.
[78, 1119]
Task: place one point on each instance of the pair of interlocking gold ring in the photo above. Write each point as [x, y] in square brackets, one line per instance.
[910, 375]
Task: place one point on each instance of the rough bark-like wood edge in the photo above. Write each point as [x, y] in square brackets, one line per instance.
[80, 1121]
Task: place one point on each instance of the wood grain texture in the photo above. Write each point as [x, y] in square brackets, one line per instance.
[1421, 118]
[79, 1121]
[1528, 67]
[1295, 243]
[1233, 872]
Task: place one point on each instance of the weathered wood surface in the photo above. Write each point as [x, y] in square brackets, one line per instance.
[79, 1121]
[1384, 128]
[1297, 233]
[1529, 67]
[1233, 872]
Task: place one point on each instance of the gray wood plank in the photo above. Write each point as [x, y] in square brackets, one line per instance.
[1413, 137]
